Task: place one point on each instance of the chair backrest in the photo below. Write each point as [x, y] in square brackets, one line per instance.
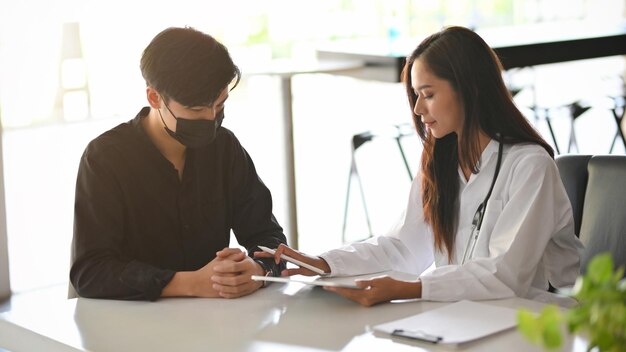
[573, 171]
[603, 227]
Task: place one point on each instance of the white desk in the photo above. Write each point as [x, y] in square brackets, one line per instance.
[281, 317]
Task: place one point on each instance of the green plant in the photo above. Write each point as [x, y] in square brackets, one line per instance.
[600, 315]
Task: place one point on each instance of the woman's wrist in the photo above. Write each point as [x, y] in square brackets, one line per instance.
[410, 290]
[323, 264]
[418, 288]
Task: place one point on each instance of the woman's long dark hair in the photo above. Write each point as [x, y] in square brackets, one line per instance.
[461, 57]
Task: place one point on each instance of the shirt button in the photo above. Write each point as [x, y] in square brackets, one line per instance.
[186, 226]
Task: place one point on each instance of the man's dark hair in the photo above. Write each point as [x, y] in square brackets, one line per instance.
[188, 66]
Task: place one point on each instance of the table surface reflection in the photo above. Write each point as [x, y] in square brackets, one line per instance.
[293, 317]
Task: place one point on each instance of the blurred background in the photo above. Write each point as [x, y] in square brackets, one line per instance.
[69, 70]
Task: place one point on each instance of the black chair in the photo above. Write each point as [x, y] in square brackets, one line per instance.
[397, 132]
[573, 170]
[596, 188]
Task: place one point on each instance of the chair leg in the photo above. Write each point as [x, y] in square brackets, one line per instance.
[614, 141]
[575, 110]
[354, 173]
[556, 145]
[406, 162]
[572, 138]
[367, 214]
[345, 209]
[618, 122]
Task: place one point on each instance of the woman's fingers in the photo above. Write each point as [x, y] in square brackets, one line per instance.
[381, 289]
[298, 256]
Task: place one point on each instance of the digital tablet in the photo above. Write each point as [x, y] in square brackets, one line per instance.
[294, 261]
[332, 282]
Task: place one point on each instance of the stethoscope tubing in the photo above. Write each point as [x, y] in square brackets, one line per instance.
[477, 222]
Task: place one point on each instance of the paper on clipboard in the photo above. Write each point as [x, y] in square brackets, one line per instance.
[455, 323]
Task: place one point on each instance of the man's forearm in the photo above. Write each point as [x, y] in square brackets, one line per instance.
[183, 284]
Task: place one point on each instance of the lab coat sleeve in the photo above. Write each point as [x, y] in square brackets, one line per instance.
[537, 211]
[407, 247]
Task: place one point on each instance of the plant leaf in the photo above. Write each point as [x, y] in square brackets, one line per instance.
[600, 268]
[551, 317]
[617, 276]
[529, 326]
[600, 315]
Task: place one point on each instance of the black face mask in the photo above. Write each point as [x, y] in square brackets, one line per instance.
[194, 133]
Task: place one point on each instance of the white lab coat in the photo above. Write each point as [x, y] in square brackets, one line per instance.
[527, 236]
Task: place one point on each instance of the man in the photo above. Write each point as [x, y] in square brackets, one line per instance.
[156, 197]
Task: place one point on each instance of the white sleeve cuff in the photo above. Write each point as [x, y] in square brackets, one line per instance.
[334, 262]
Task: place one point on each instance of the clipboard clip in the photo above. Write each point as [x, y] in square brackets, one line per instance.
[417, 335]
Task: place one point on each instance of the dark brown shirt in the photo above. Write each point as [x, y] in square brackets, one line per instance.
[136, 222]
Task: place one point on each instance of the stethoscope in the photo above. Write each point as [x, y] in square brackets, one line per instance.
[480, 212]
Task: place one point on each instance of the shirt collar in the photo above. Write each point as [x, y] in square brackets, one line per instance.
[490, 151]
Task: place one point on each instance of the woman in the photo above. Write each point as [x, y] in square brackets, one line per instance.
[487, 207]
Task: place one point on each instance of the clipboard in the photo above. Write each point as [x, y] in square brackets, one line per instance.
[455, 323]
